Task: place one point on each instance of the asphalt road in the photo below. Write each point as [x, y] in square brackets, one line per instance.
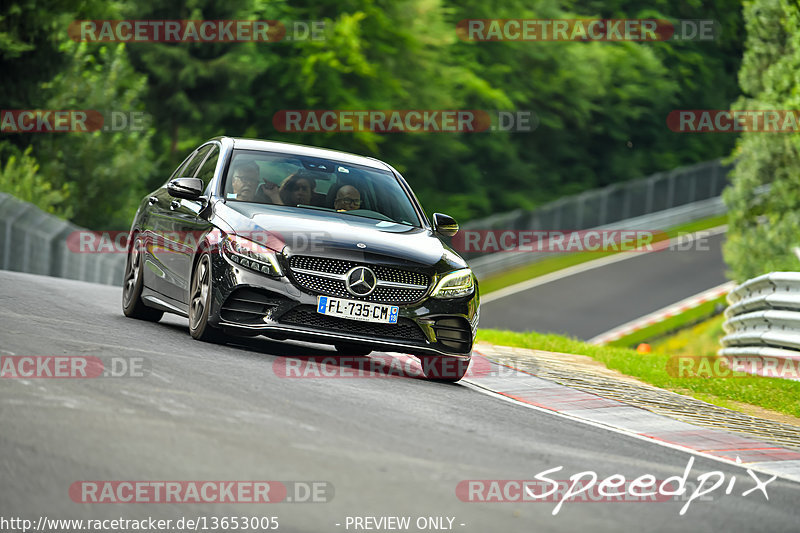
[590, 303]
[395, 447]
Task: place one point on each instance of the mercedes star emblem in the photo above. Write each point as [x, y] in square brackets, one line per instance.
[360, 281]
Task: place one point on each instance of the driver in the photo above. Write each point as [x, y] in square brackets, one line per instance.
[247, 186]
[347, 199]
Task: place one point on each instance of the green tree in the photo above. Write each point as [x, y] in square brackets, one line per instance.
[703, 72]
[601, 106]
[106, 170]
[94, 178]
[383, 55]
[764, 224]
[594, 100]
[20, 177]
[195, 90]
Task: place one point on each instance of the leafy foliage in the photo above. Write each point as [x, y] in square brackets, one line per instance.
[765, 225]
[600, 107]
[106, 170]
[21, 178]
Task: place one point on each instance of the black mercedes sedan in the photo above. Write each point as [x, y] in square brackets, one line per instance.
[251, 237]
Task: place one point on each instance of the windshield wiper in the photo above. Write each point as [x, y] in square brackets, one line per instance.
[380, 216]
[317, 207]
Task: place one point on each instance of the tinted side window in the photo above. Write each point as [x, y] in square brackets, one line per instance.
[189, 170]
[177, 173]
[207, 170]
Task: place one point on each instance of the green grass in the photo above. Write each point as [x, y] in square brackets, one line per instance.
[769, 393]
[701, 339]
[671, 324]
[562, 261]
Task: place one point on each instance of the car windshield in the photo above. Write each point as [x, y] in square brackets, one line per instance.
[310, 183]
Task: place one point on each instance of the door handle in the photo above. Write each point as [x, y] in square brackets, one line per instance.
[152, 200]
[174, 204]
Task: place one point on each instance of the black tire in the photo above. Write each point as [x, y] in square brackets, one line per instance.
[132, 304]
[444, 368]
[358, 350]
[200, 303]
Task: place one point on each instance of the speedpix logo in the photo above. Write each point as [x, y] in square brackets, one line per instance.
[588, 487]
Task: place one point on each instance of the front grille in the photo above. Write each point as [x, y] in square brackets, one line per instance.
[306, 316]
[319, 284]
[249, 306]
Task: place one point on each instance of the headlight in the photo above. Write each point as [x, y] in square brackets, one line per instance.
[251, 255]
[455, 285]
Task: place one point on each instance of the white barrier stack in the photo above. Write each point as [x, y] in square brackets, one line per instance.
[762, 326]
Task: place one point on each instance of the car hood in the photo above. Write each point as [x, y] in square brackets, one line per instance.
[322, 233]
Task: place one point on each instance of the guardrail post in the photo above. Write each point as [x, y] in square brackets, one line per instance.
[580, 205]
[603, 216]
[19, 210]
[713, 181]
[671, 190]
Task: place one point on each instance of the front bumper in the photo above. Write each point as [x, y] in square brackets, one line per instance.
[248, 303]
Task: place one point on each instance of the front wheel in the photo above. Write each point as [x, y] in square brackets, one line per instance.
[444, 368]
[200, 303]
[132, 304]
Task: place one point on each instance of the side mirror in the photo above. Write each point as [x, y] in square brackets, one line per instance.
[187, 188]
[444, 225]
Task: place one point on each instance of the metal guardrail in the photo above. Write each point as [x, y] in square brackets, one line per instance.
[655, 202]
[35, 242]
[762, 325]
[617, 202]
[500, 261]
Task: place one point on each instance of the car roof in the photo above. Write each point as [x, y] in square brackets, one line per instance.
[310, 151]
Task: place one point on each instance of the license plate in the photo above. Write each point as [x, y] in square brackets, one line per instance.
[355, 310]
